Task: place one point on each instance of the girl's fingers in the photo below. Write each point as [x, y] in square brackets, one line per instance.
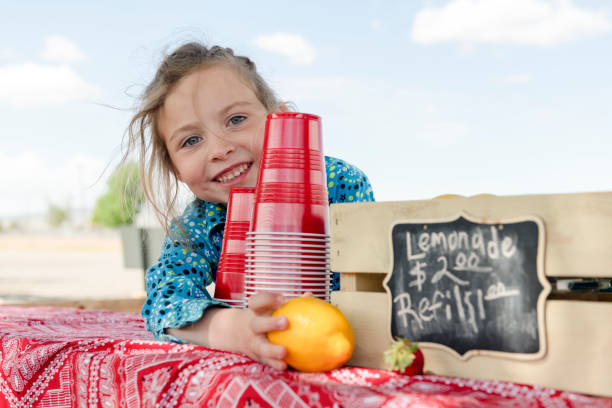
[265, 302]
[264, 324]
[308, 294]
[268, 353]
[278, 364]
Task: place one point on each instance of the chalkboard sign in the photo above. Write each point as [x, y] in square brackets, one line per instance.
[468, 285]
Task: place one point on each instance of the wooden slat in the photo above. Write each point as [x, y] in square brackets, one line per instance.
[374, 282]
[578, 357]
[578, 229]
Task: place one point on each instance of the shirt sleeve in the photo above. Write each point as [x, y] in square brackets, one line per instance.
[346, 183]
[176, 285]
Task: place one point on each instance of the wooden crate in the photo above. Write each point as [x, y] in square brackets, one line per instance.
[578, 243]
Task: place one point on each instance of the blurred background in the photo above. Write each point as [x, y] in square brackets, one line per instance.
[507, 97]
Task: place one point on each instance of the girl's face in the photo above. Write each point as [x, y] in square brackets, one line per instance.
[213, 125]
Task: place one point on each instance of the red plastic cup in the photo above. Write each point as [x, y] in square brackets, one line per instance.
[298, 264]
[240, 208]
[291, 217]
[293, 130]
[229, 257]
[305, 166]
[288, 244]
[229, 285]
[291, 192]
[286, 278]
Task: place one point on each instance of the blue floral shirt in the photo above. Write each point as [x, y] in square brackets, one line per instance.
[176, 285]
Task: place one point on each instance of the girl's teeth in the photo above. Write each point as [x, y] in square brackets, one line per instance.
[235, 173]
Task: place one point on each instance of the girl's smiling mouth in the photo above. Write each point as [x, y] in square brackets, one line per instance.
[233, 174]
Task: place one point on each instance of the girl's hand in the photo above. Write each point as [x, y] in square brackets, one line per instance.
[259, 323]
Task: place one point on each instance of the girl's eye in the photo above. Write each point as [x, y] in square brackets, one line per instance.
[191, 140]
[235, 120]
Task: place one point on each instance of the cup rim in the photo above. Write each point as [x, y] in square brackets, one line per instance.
[250, 272]
[316, 285]
[313, 234]
[287, 256]
[325, 279]
[287, 251]
[251, 246]
[288, 242]
[323, 267]
[322, 261]
[242, 190]
[287, 289]
[251, 292]
[293, 115]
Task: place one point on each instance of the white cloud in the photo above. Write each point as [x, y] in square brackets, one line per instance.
[293, 46]
[6, 53]
[376, 25]
[61, 49]
[35, 84]
[530, 22]
[517, 78]
[34, 183]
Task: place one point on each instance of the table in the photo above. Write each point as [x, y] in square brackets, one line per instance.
[64, 357]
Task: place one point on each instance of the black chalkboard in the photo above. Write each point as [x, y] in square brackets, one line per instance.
[468, 285]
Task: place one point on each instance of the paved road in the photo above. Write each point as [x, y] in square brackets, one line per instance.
[38, 267]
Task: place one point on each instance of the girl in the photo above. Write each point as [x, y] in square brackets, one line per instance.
[201, 122]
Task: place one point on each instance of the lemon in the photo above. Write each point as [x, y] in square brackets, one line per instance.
[319, 338]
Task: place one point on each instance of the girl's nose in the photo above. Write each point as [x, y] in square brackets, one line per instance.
[220, 148]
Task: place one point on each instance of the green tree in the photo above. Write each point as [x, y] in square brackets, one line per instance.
[56, 215]
[122, 201]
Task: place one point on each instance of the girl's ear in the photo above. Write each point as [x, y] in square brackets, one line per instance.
[282, 107]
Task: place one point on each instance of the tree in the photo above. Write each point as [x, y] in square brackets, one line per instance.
[123, 199]
[57, 215]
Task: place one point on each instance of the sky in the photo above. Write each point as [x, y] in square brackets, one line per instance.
[507, 97]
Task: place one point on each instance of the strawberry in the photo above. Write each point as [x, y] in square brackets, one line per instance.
[404, 357]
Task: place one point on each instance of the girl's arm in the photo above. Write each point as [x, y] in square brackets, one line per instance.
[176, 284]
[180, 309]
[241, 330]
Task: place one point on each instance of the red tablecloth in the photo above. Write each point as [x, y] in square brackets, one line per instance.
[59, 357]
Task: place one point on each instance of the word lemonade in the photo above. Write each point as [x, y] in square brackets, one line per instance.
[452, 263]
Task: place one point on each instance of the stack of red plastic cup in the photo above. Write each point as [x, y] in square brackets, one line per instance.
[229, 285]
[288, 242]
